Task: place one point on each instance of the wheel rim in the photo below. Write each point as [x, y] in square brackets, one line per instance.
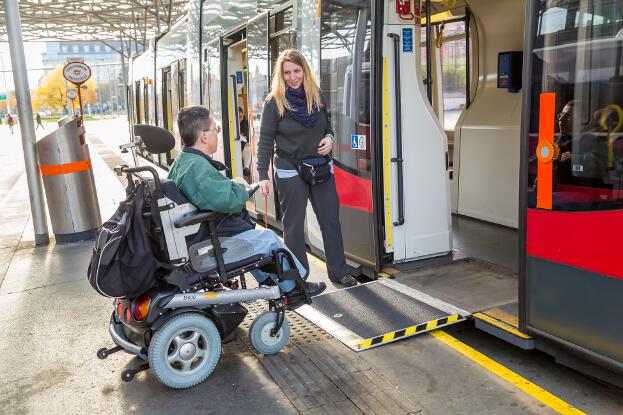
[187, 351]
[269, 340]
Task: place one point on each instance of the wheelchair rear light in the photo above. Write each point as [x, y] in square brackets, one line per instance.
[141, 307]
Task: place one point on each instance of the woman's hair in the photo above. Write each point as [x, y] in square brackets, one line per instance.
[278, 87]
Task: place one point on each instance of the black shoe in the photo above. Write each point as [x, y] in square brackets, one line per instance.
[346, 281]
[315, 288]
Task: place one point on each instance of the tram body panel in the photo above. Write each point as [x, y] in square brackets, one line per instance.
[572, 283]
[486, 158]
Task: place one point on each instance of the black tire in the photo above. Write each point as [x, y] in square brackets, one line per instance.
[185, 350]
[102, 353]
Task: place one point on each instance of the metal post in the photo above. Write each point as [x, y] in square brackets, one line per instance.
[8, 98]
[70, 105]
[27, 128]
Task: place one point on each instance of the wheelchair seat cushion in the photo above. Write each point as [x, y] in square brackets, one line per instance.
[198, 276]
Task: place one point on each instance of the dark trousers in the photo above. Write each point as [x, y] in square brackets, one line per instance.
[293, 196]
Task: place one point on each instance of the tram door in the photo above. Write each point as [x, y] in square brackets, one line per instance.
[257, 90]
[213, 94]
[167, 110]
[236, 101]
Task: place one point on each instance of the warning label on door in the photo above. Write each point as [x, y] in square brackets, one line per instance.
[358, 142]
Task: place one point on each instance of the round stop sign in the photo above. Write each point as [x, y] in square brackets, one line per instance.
[77, 72]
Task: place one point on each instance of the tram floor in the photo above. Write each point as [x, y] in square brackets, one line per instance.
[56, 322]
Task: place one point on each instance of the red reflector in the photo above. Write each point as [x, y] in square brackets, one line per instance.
[128, 316]
[141, 307]
[119, 308]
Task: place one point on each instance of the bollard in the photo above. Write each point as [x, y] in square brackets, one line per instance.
[65, 165]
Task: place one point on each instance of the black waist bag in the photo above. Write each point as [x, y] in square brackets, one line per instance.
[311, 173]
[123, 264]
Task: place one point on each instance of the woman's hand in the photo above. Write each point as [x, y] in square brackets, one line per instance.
[264, 186]
[325, 146]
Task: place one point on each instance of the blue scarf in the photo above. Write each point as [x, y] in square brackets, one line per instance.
[297, 100]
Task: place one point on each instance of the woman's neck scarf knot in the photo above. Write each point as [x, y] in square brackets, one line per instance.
[298, 102]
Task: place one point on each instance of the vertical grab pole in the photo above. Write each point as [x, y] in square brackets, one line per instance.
[398, 159]
[429, 58]
[22, 92]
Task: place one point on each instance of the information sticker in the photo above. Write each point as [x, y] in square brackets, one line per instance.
[407, 39]
[358, 142]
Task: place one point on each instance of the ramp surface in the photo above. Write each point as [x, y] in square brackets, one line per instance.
[470, 284]
[374, 313]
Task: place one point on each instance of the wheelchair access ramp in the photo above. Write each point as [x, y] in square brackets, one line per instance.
[379, 312]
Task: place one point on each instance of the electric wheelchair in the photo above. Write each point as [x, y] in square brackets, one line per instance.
[178, 325]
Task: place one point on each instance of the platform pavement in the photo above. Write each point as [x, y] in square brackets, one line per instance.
[53, 323]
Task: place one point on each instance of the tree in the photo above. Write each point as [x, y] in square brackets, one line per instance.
[52, 93]
[12, 102]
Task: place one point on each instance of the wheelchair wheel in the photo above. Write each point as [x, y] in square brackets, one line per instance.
[259, 333]
[185, 350]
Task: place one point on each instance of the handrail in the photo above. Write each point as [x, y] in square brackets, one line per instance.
[398, 158]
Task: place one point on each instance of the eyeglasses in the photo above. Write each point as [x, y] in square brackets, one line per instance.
[563, 116]
[214, 127]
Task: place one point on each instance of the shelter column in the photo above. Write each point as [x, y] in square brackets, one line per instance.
[24, 107]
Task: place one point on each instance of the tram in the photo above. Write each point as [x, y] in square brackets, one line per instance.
[528, 138]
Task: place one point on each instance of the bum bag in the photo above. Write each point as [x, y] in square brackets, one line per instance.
[313, 170]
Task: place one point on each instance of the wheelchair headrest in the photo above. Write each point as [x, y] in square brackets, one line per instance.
[157, 140]
[171, 191]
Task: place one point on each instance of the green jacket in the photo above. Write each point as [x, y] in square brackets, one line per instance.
[204, 186]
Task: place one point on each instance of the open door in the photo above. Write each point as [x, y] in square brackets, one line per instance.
[258, 88]
[213, 93]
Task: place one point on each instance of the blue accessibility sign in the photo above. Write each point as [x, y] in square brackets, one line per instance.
[239, 77]
[357, 142]
[407, 39]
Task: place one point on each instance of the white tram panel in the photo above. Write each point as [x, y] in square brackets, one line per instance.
[427, 228]
[486, 143]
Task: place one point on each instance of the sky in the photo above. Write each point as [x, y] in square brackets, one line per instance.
[32, 53]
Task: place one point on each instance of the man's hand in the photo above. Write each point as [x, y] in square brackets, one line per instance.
[264, 186]
[565, 156]
[325, 146]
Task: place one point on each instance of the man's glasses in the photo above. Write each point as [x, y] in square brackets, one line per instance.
[563, 116]
[216, 128]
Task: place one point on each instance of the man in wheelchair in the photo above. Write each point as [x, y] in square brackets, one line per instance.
[198, 178]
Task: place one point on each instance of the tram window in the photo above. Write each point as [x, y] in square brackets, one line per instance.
[454, 72]
[584, 68]
[280, 21]
[345, 80]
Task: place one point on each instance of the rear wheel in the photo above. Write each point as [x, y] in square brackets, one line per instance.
[185, 350]
[260, 333]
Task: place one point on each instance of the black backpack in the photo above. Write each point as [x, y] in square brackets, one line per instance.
[123, 263]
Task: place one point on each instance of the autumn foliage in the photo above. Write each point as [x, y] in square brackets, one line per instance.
[52, 94]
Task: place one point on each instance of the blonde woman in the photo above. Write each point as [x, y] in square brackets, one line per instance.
[295, 124]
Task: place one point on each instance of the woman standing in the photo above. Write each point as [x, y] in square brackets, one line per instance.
[296, 124]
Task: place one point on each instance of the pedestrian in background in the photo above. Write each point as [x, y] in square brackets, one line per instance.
[295, 123]
[11, 122]
[39, 122]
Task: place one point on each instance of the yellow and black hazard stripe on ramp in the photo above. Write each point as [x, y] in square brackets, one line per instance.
[377, 313]
[409, 331]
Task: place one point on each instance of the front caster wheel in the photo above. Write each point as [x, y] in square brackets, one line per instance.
[102, 353]
[185, 350]
[260, 333]
[127, 375]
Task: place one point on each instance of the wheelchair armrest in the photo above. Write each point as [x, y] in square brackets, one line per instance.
[198, 217]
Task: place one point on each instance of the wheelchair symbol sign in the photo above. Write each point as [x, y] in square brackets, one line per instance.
[358, 142]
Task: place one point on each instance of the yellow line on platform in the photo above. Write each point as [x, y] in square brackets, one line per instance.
[508, 375]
